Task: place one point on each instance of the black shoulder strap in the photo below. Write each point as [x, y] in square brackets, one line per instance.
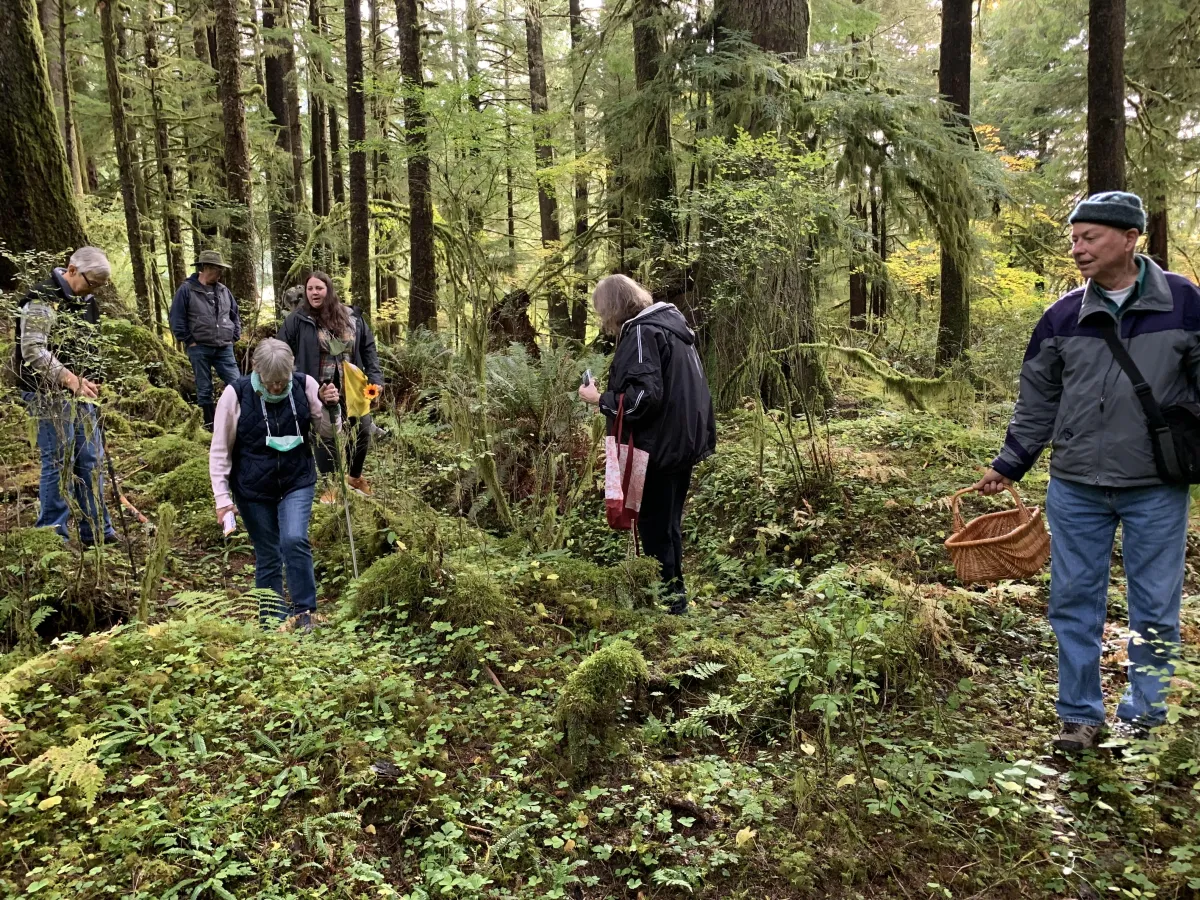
[1160, 432]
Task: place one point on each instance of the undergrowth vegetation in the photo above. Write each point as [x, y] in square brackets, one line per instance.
[495, 710]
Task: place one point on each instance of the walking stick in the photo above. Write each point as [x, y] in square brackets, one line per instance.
[112, 476]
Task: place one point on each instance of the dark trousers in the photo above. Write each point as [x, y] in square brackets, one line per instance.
[204, 359]
[660, 525]
[358, 438]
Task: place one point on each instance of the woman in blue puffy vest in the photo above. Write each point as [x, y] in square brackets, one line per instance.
[262, 460]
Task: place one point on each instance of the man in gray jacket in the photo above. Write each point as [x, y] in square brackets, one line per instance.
[1075, 397]
[204, 318]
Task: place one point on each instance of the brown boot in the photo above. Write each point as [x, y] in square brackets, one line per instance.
[330, 496]
[359, 484]
[1076, 737]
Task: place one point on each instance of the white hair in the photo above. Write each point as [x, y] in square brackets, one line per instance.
[92, 262]
[273, 361]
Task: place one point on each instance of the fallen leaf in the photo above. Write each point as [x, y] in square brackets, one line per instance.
[50, 802]
[847, 779]
[745, 836]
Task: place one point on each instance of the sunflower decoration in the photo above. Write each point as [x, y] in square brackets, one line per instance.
[372, 392]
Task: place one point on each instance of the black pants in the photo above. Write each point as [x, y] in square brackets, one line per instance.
[660, 525]
[358, 438]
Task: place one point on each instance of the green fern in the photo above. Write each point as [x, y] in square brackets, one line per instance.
[72, 766]
[703, 671]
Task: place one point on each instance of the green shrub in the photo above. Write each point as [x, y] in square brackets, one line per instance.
[594, 696]
[471, 598]
[170, 451]
[32, 581]
[394, 583]
[186, 484]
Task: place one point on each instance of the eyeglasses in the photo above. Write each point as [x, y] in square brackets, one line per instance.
[87, 280]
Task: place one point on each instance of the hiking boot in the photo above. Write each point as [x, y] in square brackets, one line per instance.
[1075, 737]
[210, 414]
[359, 484]
[112, 539]
[331, 496]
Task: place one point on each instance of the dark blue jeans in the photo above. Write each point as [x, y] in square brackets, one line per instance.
[204, 360]
[71, 451]
[1083, 521]
[279, 532]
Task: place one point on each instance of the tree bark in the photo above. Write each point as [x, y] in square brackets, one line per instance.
[1106, 96]
[292, 90]
[776, 26]
[125, 165]
[280, 174]
[242, 280]
[579, 310]
[68, 120]
[172, 227]
[954, 83]
[1157, 232]
[422, 276]
[657, 190]
[356, 114]
[558, 308]
[319, 146]
[879, 233]
[37, 207]
[858, 277]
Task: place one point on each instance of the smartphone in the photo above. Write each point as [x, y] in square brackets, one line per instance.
[229, 523]
[587, 378]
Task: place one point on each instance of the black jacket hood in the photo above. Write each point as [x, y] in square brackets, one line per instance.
[664, 315]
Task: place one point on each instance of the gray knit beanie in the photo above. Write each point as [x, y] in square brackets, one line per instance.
[1119, 209]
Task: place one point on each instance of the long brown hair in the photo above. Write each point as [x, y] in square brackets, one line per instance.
[332, 315]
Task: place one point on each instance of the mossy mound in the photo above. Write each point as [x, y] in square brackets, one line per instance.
[133, 348]
[392, 585]
[146, 404]
[593, 700]
[374, 533]
[188, 483]
[170, 451]
[16, 445]
[470, 598]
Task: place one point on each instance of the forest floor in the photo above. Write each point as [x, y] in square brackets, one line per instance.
[835, 717]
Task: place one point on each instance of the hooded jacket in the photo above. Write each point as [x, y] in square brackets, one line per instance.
[1075, 397]
[667, 402]
[299, 331]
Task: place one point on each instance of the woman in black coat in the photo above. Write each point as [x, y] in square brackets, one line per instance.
[667, 406]
[308, 329]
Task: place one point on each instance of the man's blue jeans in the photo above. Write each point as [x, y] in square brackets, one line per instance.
[279, 532]
[71, 451]
[204, 360]
[1083, 520]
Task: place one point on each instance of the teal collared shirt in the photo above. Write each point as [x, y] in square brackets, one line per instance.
[1118, 308]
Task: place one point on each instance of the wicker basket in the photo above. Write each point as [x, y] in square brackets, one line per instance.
[1009, 544]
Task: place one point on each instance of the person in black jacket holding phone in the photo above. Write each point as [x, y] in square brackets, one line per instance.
[667, 405]
[319, 318]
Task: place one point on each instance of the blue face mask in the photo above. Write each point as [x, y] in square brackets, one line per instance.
[261, 389]
[283, 442]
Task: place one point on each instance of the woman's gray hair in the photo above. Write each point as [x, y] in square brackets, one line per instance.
[618, 298]
[273, 361]
[92, 262]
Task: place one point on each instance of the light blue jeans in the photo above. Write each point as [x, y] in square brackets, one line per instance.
[71, 451]
[1083, 521]
[279, 532]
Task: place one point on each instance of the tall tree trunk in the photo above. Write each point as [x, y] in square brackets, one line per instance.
[422, 277]
[172, 227]
[242, 280]
[776, 26]
[68, 119]
[1157, 232]
[657, 190]
[475, 201]
[558, 307]
[879, 233]
[318, 146]
[954, 83]
[1106, 96]
[201, 160]
[37, 207]
[280, 174]
[858, 276]
[292, 89]
[356, 114]
[509, 191]
[579, 311]
[125, 164]
[335, 154]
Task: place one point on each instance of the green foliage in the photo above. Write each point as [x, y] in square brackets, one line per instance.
[132, 348]
[186, 484]
[156, 560]
[392, 587]
[33, 579]
[168, 452]
[593, 699]
[68, 767]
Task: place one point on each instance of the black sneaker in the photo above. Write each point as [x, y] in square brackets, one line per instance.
[1076, 737]
[113, 539]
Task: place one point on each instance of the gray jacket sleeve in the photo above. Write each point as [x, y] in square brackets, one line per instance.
[1032, 425]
